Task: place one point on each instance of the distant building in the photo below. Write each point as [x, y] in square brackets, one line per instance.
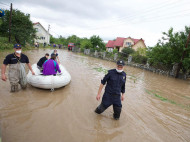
[121, 43]
[42, 35]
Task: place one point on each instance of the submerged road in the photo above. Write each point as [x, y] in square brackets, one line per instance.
[156, 108]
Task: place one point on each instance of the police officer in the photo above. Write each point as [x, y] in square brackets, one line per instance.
[17, 73]
[114, 90]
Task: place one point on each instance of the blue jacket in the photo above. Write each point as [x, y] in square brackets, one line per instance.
[115, 82]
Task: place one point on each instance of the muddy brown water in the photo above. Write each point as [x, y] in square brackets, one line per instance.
[156, 108]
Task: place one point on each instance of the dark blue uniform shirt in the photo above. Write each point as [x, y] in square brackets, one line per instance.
[55, 54]
[115, 82]
[13, 59]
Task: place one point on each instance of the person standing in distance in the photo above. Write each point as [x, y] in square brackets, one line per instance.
[17, 73]
[114, 90]
[57, 57]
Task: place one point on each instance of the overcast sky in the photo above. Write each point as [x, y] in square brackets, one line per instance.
[109, 19]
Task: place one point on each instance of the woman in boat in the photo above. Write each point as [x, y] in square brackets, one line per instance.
[50, 67]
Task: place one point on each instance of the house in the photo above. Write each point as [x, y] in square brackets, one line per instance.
[42, 35]
[121, 43]
[110, 45]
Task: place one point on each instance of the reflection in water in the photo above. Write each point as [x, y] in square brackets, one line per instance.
[156, 108]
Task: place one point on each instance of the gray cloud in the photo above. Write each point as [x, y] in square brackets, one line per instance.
[108, 18]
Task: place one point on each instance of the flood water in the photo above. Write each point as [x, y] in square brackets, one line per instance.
[156, 108]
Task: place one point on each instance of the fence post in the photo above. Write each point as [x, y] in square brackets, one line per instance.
[104, 55]
[130, 59]
[115, 56]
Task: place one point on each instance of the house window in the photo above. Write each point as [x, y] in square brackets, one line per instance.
[36, 29]
[128, 44]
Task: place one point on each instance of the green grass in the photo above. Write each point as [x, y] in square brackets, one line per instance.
[186, 97]
[100, 69]
[165, 99]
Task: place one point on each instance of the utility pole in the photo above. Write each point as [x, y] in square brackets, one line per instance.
[48, 28]
[10, 19]
[184, 52]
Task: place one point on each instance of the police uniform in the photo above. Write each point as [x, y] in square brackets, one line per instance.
[112, 95]
[17, 74]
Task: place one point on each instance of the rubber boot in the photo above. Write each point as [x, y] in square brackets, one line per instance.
[117, 112]
[23, 86]
[100, 109]
[14, 88]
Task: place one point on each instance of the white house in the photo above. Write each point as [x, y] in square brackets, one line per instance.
[42, 35]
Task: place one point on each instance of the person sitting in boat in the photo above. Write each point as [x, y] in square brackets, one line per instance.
[41, 62]
[57, 58]
[50, 67]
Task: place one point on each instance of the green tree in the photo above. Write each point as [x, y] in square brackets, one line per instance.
[169, 50]
[97, 42]
[52, 39]
[22, 30]
[85, 43]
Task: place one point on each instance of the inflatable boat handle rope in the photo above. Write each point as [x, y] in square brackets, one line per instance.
[52, 89]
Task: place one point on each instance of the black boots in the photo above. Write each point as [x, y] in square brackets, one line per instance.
[117, 112]
[14, 88]
[100, 109]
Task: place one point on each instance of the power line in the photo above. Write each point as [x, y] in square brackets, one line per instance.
[145, 11]
[4, 3]
[172, 15]
[142, 14]
[152, 14]
[152, 10]
[169, 17]
[4, 7]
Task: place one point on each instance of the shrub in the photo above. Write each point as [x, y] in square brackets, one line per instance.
[4, 44]
[139, 59]
[127, 51]
[115, 51]
[82, 50]
[92, 50]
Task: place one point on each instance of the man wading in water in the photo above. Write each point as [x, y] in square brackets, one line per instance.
[17, 73]
[115, 86]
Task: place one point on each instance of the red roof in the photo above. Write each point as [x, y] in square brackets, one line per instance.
[119, 41]
[136, 40]
[36, 23]
[110, 43]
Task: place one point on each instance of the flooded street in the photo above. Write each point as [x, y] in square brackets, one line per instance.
[156, 108]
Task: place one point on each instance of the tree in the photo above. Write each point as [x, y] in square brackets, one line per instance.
[85, 43]
[169, 50]
[22, 30]
[97, 42]
[52, 39]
